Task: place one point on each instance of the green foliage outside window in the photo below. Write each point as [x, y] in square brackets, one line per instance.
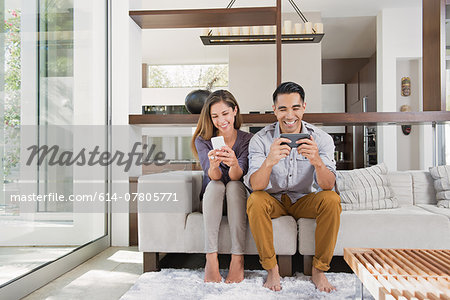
[191, 76]
[12, 94]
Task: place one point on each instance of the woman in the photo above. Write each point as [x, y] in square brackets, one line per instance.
[223, 171]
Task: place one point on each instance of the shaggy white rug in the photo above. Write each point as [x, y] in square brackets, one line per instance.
[171, 284]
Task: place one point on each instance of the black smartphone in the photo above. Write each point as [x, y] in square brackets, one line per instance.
[294, 137]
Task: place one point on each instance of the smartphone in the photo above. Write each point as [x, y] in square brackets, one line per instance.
[294, 137]
[217, 142]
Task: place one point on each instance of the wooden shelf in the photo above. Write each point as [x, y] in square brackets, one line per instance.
[330, 119]
[194, 18]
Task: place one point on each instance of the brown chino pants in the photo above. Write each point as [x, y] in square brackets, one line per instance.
[323, 206]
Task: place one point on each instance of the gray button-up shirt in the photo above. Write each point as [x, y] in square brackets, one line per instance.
[293, 175]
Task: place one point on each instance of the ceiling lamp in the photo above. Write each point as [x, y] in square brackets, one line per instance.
[302, 33]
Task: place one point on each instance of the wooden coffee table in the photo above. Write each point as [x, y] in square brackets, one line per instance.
[402, 273]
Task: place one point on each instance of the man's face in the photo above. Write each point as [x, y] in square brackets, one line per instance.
[289, 110]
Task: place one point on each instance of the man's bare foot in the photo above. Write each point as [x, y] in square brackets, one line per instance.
[320, 280]
[236, 272]
[212, 268]
[273, 279]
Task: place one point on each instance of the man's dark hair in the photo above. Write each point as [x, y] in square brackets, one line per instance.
[288, 88]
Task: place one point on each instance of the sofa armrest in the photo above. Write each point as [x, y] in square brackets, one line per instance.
[164, 201]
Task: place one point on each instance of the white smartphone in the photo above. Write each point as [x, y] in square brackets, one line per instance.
[217, 142]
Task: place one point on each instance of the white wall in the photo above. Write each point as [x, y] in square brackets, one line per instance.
[333, 101]
[164, 96]
[252, 68]
[408, 156]
[399, 36]
[126, 99]
[252, 76]
[253, 71]
[179, 46]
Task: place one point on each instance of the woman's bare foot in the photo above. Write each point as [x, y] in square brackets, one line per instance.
[273, 279]
[320, 280]
[236, 272]
[212, 268]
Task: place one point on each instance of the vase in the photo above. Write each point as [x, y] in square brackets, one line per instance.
[195, 100]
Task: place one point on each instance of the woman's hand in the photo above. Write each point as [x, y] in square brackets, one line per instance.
[214, 160]
[227, 156]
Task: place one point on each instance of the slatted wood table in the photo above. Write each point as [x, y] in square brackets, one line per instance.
[402, 273]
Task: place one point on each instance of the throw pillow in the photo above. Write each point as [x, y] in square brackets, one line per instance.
[441, 177]
[367, 188]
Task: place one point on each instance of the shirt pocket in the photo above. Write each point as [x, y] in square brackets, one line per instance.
[303, 165]
[278, 176]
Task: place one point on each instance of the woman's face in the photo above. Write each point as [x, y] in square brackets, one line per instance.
[222, 117]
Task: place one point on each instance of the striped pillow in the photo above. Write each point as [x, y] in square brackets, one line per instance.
[367, 188]
[441, 176]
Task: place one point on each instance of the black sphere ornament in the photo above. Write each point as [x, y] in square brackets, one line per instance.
[194, 100]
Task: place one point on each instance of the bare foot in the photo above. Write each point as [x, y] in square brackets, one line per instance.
[212, 268]
[236, 272]
[320, 280]
[273, 279]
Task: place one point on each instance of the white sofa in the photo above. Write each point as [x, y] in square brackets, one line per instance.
[177, 226]
[416, 223]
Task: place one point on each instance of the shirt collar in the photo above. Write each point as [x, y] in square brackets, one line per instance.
[306, 128]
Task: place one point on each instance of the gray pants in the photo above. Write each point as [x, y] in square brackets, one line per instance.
[236, 196]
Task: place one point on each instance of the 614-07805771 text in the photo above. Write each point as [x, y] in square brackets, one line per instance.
[102, 197]
[155, 197]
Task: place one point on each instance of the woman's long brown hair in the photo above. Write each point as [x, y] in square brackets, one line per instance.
[205, 127]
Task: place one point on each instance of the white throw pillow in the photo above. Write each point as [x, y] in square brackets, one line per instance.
[441, 177]
[367, 188]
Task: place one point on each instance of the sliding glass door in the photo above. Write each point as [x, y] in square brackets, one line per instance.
[53, 104]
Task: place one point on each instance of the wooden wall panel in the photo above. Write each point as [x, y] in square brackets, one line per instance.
[368, 84]
[144, 75]
[133, 216]
[433, 54]
[336, 71]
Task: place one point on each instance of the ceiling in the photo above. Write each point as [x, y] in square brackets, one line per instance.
[328, 8]
[349, 25]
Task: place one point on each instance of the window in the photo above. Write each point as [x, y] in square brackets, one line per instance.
[187, 76]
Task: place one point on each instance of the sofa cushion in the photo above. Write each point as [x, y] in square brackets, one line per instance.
[401, 184]
[434, 209]
[284, 236]
[423, 189]
[367, 188]
[441, 177]
[403, 227]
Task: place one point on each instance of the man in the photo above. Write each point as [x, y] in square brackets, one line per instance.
[282, 178]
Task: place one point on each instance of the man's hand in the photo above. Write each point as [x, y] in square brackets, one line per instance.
[278, 151]
[227, 156]
[325, 178]
[309, 150]
[260, 179]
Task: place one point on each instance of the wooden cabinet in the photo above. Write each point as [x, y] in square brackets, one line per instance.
[368, 86]
[360, 97]
[340, 151]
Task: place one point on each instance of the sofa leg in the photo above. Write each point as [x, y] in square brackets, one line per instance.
[285, 265]
[151, 262]
[307, 264]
